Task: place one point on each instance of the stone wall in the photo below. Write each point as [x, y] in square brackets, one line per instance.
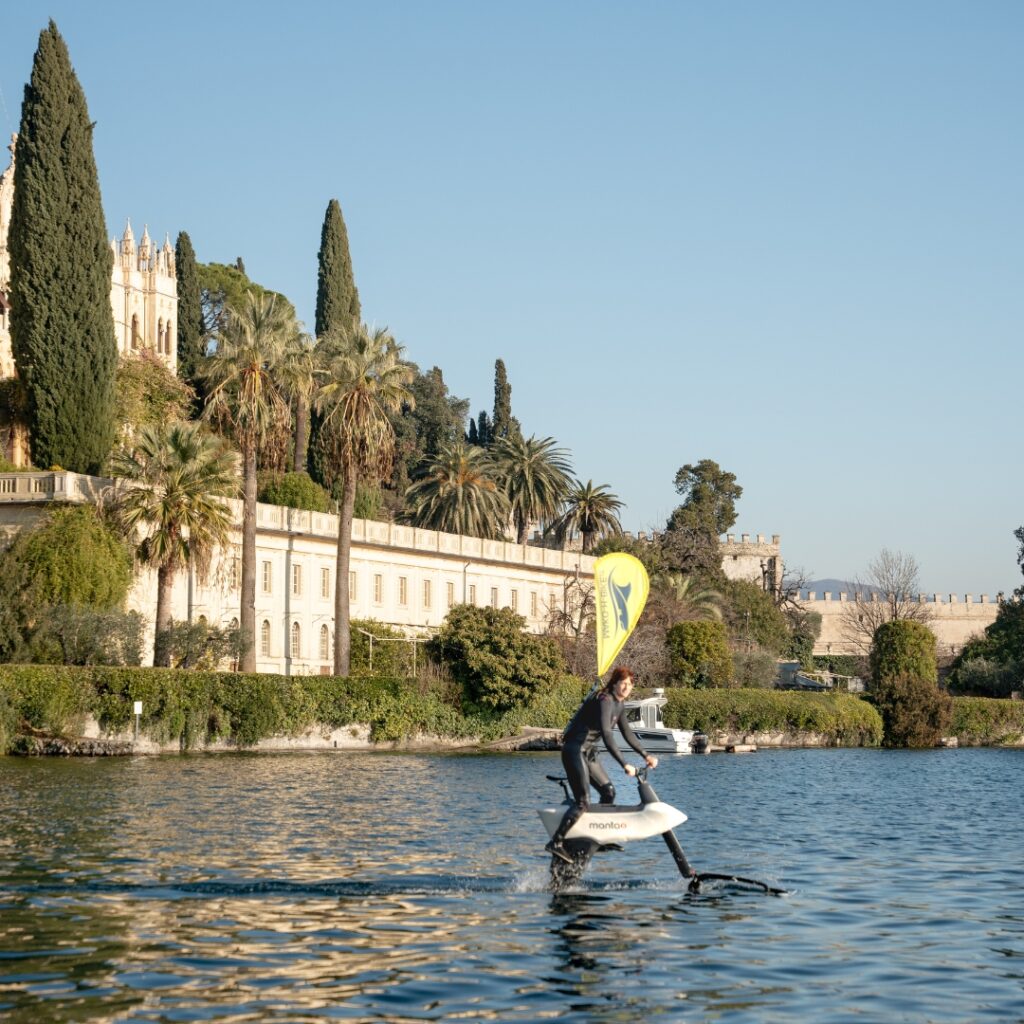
[953, 619]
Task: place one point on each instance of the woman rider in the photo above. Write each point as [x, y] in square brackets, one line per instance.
[596, 718]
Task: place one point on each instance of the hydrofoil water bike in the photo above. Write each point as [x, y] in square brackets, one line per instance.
[605, 827]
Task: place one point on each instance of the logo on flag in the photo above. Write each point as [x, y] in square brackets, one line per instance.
[620, 593]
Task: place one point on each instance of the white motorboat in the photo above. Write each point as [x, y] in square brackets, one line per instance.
[644, 716]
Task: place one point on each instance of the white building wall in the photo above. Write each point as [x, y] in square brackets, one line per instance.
[533, 578]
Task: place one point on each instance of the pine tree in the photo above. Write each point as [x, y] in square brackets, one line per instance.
[337, 309]
[62, 327]
[501, 422]
[191, 330]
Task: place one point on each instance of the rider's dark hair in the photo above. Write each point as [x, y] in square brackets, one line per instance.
[622, 672]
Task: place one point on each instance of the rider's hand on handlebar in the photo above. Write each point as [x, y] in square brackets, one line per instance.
[630, 770]
[652, 762]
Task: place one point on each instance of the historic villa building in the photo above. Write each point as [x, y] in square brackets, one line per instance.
[399, 575]
[143, 299]
[404, 577]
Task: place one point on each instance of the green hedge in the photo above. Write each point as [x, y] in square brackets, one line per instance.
[844, 718]
[985, 721]
[194, 707]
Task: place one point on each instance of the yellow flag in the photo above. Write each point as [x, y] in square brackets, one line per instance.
[620, 593]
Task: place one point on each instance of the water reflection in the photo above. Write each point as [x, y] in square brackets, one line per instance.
[372, 888]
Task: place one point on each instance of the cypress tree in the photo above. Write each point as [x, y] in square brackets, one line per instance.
[501, 422]
[191, 331]
[472, 437]
[337, 301]
[337, 306]
[483, 429]
[62, 327]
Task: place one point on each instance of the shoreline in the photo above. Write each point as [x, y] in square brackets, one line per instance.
[94, 742]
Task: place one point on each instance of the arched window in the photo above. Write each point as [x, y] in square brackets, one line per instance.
[160, 335]
[325, 643]
[265, 639]
[170, 338]
[296, 640]
[135, 332]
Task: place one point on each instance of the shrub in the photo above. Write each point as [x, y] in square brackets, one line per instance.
[199, 645]
[804, 630]
[841, 664]
[903, 648]
[391, 649]
[993, 664]
[497, 663]
[699, 654]
[915, 712]
[754, 669]
[980, 720]
[752, 615]
[73, 635]
[842, 718]
[294, 490]
[985, 677]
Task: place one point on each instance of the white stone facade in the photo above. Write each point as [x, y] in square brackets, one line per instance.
[400, 575]
[144, 297]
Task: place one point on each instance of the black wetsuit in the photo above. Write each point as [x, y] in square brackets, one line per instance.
[596, 718]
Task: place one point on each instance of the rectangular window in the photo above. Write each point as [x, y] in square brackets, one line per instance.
[450, 589]
[352, 584]
[236, 572]
[552, 603]
[403, 591]
[268, 576]
[426, 593]
[378, 588]
[514, 604]
[533, 604]
[325, 582]
[472, 594]
[494, 597]
[297, 580]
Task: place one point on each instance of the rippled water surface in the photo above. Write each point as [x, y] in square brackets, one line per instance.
[299, 887]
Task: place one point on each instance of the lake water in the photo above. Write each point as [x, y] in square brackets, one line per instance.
[309, 887]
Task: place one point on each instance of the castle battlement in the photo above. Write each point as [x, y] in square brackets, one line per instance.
[843, 597]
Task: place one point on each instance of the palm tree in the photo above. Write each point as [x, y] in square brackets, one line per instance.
[362, 379]
[589, 511]
[691, 601]
[536, 477]
[176, 477]
[295, 376]
[456, 492]
[243, 400]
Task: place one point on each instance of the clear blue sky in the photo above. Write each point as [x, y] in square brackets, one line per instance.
[785, 236]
